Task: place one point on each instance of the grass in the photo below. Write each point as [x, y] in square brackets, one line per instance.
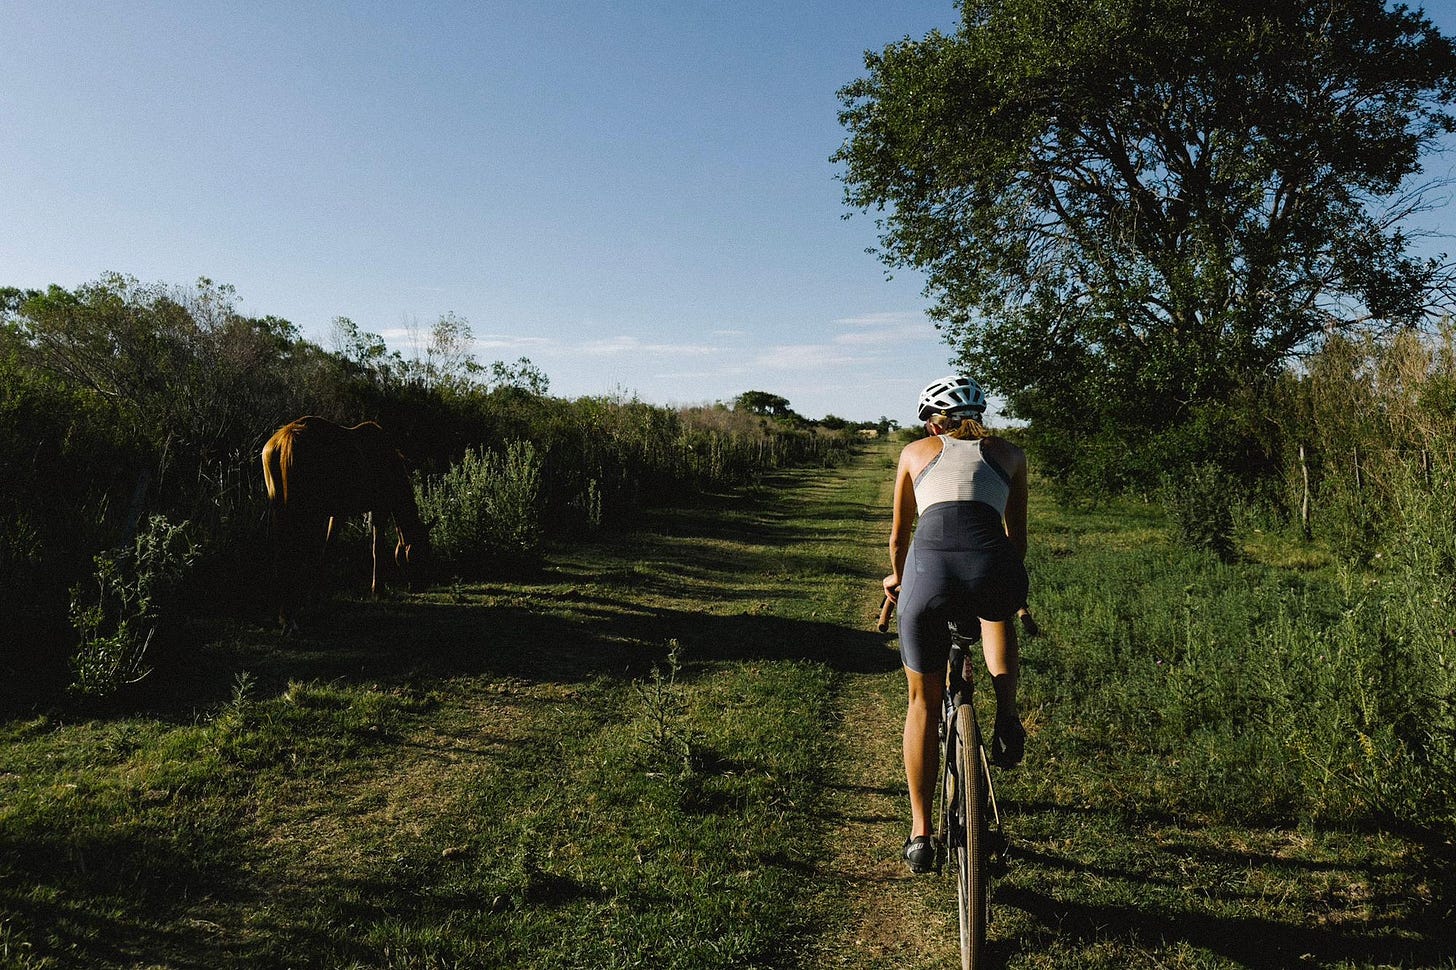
[466, 777]
[680, 748]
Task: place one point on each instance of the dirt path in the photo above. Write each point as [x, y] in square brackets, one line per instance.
[880, 916]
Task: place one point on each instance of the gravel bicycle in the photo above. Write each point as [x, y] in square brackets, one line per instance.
[970, 823]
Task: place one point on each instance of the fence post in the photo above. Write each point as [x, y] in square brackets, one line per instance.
[1304, 498]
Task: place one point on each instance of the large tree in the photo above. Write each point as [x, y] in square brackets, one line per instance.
[1129, 212]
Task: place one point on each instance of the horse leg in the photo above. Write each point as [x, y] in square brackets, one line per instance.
[291, 531]
[401, 559]
[375, 535]
[278, 526]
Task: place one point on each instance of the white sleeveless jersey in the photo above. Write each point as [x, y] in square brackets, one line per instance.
[960, 473]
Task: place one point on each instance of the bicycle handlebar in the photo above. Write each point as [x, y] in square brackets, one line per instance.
[886, 608]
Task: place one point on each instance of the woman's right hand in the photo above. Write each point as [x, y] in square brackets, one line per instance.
[892, 586]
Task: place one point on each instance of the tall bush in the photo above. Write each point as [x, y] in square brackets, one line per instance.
[1200, 502]
[1351, 422]
[487, 504]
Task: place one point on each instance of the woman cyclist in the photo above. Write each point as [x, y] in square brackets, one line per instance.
[968, 489]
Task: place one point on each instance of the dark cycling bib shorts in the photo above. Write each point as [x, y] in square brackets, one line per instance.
[961, 566]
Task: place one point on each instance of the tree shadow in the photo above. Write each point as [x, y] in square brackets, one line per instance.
[411, 641]
[558, 623]
[1262, 944]
[1375, 932]
[121, 897]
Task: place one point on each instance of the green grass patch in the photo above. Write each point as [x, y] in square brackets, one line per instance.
[474, 776]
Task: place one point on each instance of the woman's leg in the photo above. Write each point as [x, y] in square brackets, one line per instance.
[1003, 662]
[922, 745]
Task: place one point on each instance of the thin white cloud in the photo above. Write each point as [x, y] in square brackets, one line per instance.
[511, 342]
[805, 357]
[889, 335]
[884, 328]
[893, 318]
[612, 346]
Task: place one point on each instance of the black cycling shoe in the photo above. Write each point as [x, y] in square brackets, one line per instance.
[999, 850]
[920, 854]
[1008, 743]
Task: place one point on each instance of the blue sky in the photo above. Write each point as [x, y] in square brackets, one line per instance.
[635, 195]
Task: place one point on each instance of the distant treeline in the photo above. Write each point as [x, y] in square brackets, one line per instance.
[132, 416]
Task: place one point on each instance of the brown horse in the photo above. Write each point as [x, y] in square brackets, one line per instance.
[317, 471]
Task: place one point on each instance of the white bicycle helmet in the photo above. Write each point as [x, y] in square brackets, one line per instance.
[953, 395]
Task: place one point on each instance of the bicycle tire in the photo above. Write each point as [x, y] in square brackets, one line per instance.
[970, 847]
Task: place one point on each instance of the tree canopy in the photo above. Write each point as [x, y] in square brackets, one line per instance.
[1130, 212]
[764, 403]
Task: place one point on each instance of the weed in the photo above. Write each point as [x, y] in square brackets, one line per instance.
[671, 747]
[244, 685]
[1201, 504]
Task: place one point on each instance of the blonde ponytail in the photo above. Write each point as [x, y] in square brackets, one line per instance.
[962, 428]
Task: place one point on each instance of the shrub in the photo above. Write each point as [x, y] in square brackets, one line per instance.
[117, 621]
[1418, 674]
[1200, 503]
[487, 503]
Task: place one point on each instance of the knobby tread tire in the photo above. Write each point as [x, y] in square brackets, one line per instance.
[970, 848]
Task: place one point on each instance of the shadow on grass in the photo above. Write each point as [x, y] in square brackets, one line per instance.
[565, 622]
[1383, 927]
[120, 898]
[413, 641]
[1267, 944]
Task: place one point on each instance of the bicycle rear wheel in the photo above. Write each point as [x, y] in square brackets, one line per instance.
[969, 839]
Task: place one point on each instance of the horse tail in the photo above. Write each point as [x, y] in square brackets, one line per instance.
[277, 459]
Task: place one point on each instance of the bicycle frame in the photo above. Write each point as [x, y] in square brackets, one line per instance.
[960, 691]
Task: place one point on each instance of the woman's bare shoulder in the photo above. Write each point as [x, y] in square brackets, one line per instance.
[917, 453]
[1004, 452]
[930, 443]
